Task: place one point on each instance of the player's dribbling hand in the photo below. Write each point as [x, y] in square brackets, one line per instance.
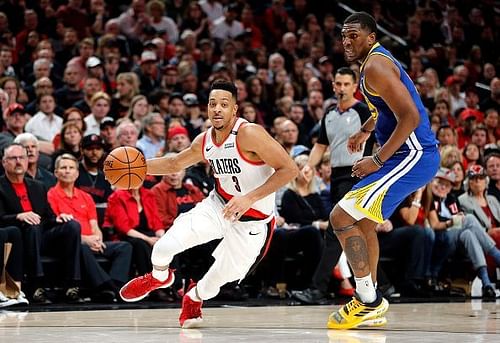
[235, 208]
[364, 167]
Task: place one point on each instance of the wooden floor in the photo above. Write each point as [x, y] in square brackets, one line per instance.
[473, 321]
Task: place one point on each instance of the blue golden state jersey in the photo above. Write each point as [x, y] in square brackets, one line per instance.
[422, 137]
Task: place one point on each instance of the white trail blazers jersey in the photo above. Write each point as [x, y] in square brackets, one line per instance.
[237, 176]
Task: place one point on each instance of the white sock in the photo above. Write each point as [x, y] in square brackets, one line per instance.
[192, 294]
[365, 289]
[161, 275]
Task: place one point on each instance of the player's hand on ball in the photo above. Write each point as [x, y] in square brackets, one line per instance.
[364, 167]
[236, 207]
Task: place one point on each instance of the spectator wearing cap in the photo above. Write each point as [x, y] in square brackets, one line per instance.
[45, 124]
[194, 118]
[71, 91]
[492, 163]
[100, 105]
[457, 98]
[35, 171]
[464, 131]
[455, 231]
[127, 134]
[108, 134]
[91, 177]
[147, 72]
[156, 10]
[94, 67]
[153, 138]
[15, 119]
[178, 139]
[227, 26]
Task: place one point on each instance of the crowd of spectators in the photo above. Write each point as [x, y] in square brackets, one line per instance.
[79, 78]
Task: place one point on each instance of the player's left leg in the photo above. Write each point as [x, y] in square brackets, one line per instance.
[242, 247]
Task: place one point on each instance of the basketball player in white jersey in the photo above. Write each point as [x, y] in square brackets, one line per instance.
[249, 166]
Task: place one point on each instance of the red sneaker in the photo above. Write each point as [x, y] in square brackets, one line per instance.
[191, 311]
[139, 288]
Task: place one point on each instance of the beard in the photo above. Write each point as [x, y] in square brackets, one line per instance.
[89, 162]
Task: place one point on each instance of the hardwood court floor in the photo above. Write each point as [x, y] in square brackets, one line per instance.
[472, 321]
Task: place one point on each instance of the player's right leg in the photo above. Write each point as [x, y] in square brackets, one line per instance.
[193, 228]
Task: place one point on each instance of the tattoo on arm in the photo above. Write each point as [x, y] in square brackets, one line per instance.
[357, 254]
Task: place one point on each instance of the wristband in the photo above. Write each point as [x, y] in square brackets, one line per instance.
[376, 159]
[416, 204]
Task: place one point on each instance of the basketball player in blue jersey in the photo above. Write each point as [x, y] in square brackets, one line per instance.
[249, 166]
[407, 160]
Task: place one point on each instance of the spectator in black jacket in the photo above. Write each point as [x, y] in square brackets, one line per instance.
[23, 203]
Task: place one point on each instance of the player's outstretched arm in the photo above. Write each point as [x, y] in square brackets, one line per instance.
[182, 160]
[382, 77]
[258, 145]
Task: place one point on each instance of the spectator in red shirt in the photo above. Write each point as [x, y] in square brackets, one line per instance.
[134, 215]
[68, 201]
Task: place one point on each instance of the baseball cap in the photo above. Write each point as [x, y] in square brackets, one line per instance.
[107, 122]
[324, 59]
[476, 170]
[177, 130]
[149, 44]
[469, 113]
[13, 108]
[92, 140]
[299, 150]
[450, 80]
[446, 174]
[176, 95]
[93, 62]
[148, 56]
[190, 99]
[218, 67]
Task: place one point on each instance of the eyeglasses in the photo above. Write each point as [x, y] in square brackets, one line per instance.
[15, 158]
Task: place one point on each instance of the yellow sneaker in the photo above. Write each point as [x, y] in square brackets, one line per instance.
[355, 314]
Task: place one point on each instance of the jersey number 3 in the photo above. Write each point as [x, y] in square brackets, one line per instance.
[236, 184]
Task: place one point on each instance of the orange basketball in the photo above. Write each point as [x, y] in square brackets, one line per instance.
[125, 168]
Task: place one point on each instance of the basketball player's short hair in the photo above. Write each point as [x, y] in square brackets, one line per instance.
[346, 71]
[365, 20]
[226, 86]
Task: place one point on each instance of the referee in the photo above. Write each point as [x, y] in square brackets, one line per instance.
[338, 124]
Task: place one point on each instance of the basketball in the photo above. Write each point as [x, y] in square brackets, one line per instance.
[125, 168]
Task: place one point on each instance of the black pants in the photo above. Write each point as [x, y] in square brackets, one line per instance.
[61, 242]
[120, 255]
[12, 234]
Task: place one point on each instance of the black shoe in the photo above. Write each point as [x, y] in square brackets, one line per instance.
[310, 296]
[413, 289]
[232, 293]
[73, 296]
[105, 296]
[39, 297]
[489, 292]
